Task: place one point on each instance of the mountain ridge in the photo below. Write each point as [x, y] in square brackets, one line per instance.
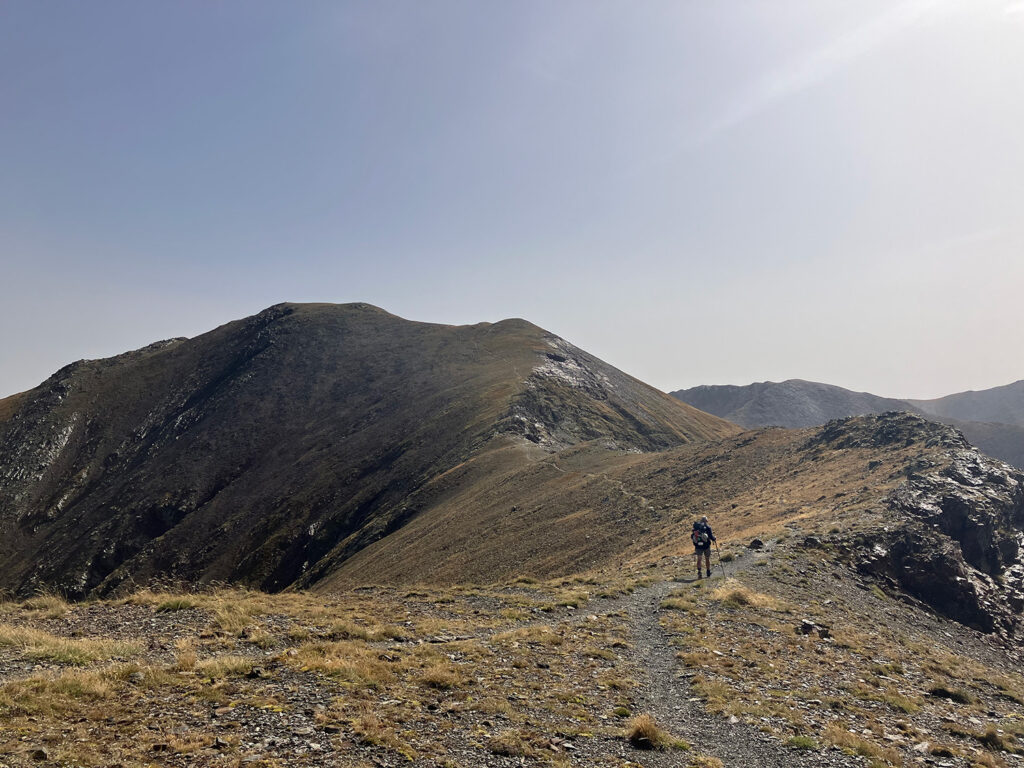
[249, 452]
[795, 403]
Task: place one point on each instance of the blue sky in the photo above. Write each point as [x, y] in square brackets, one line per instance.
[697, 192]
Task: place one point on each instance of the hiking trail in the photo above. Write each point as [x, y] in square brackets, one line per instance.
[667, 696]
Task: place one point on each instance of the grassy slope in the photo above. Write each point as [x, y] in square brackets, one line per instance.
[505, 515]
[10, 405]
[501, 675]
[248, 453]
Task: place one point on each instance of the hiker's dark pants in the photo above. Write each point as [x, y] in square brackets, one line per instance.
[706, 552]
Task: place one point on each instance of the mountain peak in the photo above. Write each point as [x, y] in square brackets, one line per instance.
[251, 452]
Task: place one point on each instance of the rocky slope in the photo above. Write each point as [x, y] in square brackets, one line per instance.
[992, 419]
[252, 452]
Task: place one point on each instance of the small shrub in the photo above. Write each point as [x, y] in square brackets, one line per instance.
[802, 742]
[901, 703]
[645, 733]
[705, 761]
[440, 676]
[510, 743]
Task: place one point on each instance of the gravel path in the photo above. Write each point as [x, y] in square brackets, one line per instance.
[668, 697]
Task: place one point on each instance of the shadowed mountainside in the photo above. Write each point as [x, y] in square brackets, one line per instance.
[249, 453]
[992, 419]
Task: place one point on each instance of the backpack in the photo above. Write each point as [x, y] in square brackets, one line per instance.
[700, 537]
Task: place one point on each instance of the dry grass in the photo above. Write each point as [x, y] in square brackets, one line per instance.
[348, 662]
[734, 594]
[177, 603]
[441, 676]
[224, 666]
[645, 733]
[541, 634]
[510, 743]
[413, 673]
[46, 606]
[53, 695]
[373, 731]
[40, 645]
[855, 745]
[392, 664]
[985, 760]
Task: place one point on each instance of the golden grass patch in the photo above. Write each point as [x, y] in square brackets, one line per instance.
[46, 606]
[510, 743]
[855, 745]
[735, 594]
[225, 666]
[348, 662]
[441, 676]
[645, 733]
[40, 645]
[47, 694]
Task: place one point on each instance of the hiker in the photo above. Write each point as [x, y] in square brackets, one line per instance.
[702, 538]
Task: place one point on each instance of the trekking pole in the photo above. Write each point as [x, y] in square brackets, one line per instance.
[719, 550]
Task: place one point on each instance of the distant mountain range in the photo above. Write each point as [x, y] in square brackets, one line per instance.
[992, 419]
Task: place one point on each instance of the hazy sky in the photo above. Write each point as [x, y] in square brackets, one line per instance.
[697, 191]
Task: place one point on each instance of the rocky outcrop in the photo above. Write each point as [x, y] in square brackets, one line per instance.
[571, 397]
[892, 429]
[959, 542]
